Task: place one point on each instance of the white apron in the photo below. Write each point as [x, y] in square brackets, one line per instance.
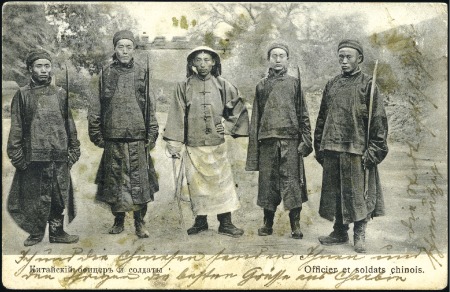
[210, 180]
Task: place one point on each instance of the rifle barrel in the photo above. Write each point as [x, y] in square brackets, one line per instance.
[147, 99]
[300, 158]
[372, 92]
[66, 109]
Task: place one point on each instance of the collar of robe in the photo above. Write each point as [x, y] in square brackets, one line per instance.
[274, 74]
[203, 78]
[118, 64]
[346, 75]
[37, 84]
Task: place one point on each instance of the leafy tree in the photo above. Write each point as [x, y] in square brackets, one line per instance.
[79, 33]
[20, 36]
[253, 26]
[86, 30]
[78, 36]
[183, 22]
[208, 39]
[174, 21]
[224, 44]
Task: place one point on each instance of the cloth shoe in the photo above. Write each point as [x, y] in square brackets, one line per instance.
[339, 234]
[359, 236]
[294, 218]
[201, 224]
[57, 233]
[334, 238]
[268, 223]
[226, 227]
[33, 239]
[139, 225]
[118, 223]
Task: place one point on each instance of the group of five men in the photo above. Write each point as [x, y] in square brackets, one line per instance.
[43, 144]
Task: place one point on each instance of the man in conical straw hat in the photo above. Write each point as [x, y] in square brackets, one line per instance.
[204, 108]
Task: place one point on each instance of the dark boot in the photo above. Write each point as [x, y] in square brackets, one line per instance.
[201, 224]
[38, 235]
[338, 236]
[57, 233]
[226, 227]
[139, 224]
[359, 236]
[33, 239]
[294, 218]
[118, 223]
[268, 223]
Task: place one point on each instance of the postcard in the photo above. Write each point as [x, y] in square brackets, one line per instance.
[210, 145]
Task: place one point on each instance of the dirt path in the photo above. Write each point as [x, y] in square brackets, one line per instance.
[413, 196]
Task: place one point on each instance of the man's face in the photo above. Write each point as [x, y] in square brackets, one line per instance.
[204, 63]
[124, 50]
[278, 59]
[349, 59]
[40, 70]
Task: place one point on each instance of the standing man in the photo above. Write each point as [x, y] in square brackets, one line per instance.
[204, 108]
[340, 146]
[123, 122]
[42, 146]
[280, 136]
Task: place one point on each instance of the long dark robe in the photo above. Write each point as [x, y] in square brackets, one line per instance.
[42, 173]
[339, 142]
[32, 192]
[343, 175]
[280, 122]
[126, 177]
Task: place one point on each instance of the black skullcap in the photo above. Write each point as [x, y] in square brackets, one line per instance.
[36, 55]
[354, 44]
[123, 34]
[277, 45]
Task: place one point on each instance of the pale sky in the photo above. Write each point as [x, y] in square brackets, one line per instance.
[155, 18]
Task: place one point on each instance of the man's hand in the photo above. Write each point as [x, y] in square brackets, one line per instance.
[174, 148]
[71, 159]
[176, 156]
[220, 129]
[366, 161]
[303, 150]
